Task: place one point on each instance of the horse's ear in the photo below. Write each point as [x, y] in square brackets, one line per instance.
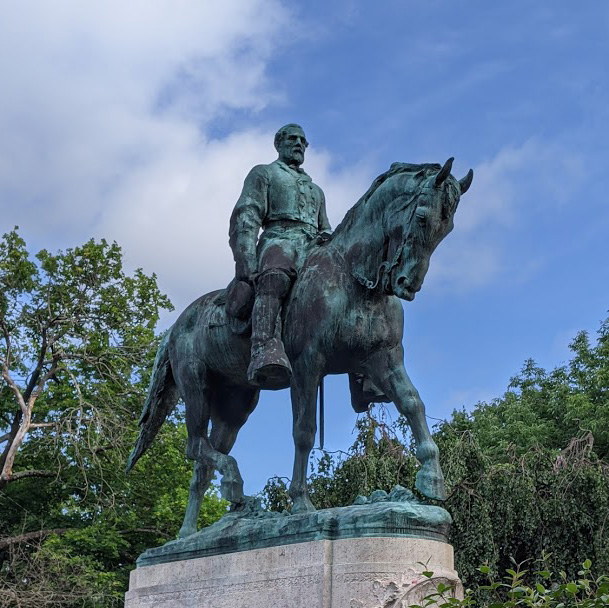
[444, 172]
[466, 181]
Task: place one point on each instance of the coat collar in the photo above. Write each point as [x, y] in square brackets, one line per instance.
[298, 173]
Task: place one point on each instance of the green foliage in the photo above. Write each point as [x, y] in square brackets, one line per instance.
[77, 344]
[547, 409]
[528, 474]
[538, 589]
[377, 460]
[526, 507]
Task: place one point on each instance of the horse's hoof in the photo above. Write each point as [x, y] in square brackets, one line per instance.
[186, 531]
[232, 491]
[430, 485]
[303, 506]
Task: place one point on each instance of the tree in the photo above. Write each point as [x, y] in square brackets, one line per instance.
[74, 332]
[77, 343]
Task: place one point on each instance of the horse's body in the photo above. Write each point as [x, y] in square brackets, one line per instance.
[342, 316]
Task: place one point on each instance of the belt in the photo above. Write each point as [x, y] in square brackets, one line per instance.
[290, 224]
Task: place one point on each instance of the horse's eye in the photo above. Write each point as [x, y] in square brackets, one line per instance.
[421, 215]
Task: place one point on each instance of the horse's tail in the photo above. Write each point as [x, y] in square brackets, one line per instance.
[162, 398]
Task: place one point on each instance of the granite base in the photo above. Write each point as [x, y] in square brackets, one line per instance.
[375, 572]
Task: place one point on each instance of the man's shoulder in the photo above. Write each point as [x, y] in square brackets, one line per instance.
[262, 170]
[273, 171]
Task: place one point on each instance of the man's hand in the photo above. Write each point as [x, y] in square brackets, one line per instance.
[245, 270]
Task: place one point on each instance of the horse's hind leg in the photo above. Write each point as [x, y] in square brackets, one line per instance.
[231, 408]
[228, 409]
[198, 409]
[387, 371]
[202, 475]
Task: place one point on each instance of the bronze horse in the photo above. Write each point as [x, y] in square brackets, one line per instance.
[341, 316]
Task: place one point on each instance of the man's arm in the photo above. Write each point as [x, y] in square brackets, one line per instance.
[246, 220]
[323, 224]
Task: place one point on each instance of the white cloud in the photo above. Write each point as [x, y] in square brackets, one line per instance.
[92, 93]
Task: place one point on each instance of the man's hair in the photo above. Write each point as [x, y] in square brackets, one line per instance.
[283, 131]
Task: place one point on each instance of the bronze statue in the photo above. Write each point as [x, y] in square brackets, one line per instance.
[342, 314]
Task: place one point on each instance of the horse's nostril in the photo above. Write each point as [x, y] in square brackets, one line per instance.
[401, 281]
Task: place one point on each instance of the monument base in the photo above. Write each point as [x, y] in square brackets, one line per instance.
[373, 572]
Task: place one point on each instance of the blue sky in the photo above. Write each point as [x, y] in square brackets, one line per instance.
[138, 123]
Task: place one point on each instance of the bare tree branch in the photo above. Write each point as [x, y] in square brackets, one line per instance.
[15, 424]
[30, 536]
[14, 388]
[9, 457]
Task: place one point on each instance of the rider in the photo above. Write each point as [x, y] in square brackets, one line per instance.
[281, 199]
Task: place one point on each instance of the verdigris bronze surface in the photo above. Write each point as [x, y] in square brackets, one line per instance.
[339, 298]
[395, 514]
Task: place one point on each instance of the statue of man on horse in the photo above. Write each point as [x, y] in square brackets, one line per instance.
[319, 304]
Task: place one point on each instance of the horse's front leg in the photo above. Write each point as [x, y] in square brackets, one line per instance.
[387, 371]
[304, 400]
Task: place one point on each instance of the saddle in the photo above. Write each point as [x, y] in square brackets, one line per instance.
[237, 302]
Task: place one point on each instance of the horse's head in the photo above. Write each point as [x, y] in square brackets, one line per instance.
[416, 229]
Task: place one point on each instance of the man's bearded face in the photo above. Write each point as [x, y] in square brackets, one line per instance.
[292, 147]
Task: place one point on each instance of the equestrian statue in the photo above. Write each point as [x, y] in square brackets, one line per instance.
[305, 302]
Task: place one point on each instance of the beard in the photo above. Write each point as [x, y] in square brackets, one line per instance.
[295, 157]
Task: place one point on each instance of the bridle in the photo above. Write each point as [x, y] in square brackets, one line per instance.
[383, 273]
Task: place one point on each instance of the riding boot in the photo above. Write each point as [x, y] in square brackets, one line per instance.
[269, 365]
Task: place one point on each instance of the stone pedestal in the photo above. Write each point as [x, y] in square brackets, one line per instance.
[373, 572]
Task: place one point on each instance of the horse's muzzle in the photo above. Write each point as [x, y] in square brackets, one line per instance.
[402, 289]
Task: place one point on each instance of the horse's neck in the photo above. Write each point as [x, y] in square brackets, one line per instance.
[361, 242]
[364, 232]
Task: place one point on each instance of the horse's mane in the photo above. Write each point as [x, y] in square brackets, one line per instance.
[424, 169]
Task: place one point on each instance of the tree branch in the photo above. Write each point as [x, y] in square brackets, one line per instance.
[5, 370]
[32, 473]
[12, 434]
[29, 536]
[39, 365]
